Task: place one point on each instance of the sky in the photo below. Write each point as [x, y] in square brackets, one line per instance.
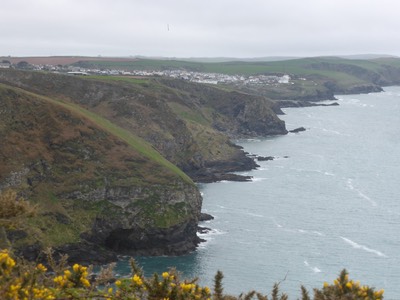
[199, 28]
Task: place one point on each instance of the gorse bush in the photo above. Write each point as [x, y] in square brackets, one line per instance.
[13, 209]
[22, 280]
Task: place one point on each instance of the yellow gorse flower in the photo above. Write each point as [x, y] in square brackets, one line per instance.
[6, 262]
[136, 279]
[41, 268]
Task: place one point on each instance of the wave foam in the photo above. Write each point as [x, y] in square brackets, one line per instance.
[362, 247]
[314, 269]
[255, 215]
[360, 193]
[257, 179]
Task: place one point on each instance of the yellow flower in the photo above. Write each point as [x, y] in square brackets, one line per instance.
[136, 279]
[187, 287]
[326, 284]
[67, 273]
[85, 282]
[41, 268]
[207, 290]
[165, 275]
[349, 284]
[75, 268]
[336, 282]
[110, 290]
[118, 283]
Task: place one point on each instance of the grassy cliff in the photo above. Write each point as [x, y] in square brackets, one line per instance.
[90, 179]
[189, 124]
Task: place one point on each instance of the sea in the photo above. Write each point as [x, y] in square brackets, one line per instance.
[329, 200]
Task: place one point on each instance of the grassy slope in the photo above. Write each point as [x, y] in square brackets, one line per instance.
[293, 66]
[134, 141]
[71, 172]
[211, 144]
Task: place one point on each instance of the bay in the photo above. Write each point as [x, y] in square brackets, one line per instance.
[328, 201]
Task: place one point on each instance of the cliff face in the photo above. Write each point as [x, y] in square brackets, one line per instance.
[80, 149]
[189, 124]
[93, 189]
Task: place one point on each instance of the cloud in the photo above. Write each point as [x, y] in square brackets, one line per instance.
[198, 28]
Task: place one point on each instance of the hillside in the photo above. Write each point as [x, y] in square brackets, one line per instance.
[189, 124]
[102, 157]
[313, 79]
[96, 185]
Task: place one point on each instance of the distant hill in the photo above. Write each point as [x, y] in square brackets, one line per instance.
[61, 60]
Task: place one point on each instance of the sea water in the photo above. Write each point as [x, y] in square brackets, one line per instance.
[329, 200]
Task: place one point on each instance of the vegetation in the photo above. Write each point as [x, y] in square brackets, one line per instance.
[20, 279]
[134, 141]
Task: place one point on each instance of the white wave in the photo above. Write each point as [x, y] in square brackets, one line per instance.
[262, 169]
[318, 233]
[360, 193]
[314, 269]
[362, 247]
[310, 232]
[255, 215]
[331, 131]
[256, 179]
[329, 174]
[209, 236]
[276, 223]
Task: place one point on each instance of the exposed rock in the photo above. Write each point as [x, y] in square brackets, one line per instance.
[265, 158]
[295, 103]
[203, 230]
[296, 130]
[205, 217]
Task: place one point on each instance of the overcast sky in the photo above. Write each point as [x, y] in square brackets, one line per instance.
[199, 28]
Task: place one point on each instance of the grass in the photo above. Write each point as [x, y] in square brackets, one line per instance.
[134, 141]
[127, 79]
[300, 67]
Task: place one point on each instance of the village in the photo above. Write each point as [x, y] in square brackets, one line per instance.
[192, 76]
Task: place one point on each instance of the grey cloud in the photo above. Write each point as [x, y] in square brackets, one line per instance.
[198, 28]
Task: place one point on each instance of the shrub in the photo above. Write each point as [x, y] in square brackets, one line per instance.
[13, 209]
[24, 280]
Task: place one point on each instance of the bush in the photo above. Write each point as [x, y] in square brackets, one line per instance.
[20, 279]
[13, 209]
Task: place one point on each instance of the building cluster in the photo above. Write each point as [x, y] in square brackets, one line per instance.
[200, 77]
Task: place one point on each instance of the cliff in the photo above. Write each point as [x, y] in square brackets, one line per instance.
[189, 124]
[102, 159]
[98, 192]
